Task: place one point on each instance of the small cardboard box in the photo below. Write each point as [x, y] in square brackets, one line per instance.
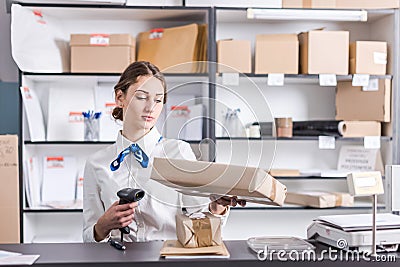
[360, 128]
[200, 178]
[9, 189]
[324, 52]
[277, 53]
[234, 55]
[367, 4]
[367, 57]
[352, 103]
[320, 199]
[309, 3]
[101, 53]
[198, 232]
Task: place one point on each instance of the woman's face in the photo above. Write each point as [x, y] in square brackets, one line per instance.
[142, 103]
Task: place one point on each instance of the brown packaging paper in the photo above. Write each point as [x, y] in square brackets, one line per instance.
[320, 199]
[200, 178]
[174, 249]
[203, 232]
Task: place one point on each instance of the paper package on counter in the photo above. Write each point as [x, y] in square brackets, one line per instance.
[320, 199]
[201, 230]
[200, 178]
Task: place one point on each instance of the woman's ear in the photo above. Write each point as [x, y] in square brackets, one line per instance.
[119, 98]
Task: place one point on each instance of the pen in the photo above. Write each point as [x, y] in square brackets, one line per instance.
[116, 244]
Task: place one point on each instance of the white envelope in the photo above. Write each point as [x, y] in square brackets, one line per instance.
[66, 104]
[105, 102]
[59, 179]
[34, 115]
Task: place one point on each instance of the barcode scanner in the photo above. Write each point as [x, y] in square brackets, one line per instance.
[129, 195]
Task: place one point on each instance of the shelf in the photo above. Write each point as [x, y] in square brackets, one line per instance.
[308, 178]
[118, 12]
[239, 15]
[108, 77]
[67, 143]
[52, 210]
[301, 78]
[306, 208]
[300, 138]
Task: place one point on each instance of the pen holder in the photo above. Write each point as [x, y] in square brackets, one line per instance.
[91, 129]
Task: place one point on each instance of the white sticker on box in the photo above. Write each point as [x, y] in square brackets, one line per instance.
[276, 79]
[380, 58]
[373, 85]
[327, 80]
[372, 142]
[230, 79]
[360, 80]
[326, 142]
[100, 40]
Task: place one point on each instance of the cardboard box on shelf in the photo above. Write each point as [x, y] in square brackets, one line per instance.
[308, 3]
[235, 54]
[352, 103]
[324, 52]
[277, 53]
[367, 4]
[320, 199]
[341, 4]
[360, 128]
[195, 232]
[368, 57]
[9, 189]
[200, 178]
[180, 49]
[101, 53]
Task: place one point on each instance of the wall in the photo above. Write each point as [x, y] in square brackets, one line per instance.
[8, 69]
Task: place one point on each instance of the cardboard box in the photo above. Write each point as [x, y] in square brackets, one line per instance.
[277, 53]
[198, 232]
[235, 54]
[175, 50]
[309, 3]
[341, 4]
[367, 57]
[174, 249]
[284, 172]
[367, 4]
[352, 103]
[200, 178]
[360, 128]
[101, 53]
[9, 189]
[324, 52]
[320, 199]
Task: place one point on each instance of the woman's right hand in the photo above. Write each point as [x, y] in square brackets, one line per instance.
[117, 216]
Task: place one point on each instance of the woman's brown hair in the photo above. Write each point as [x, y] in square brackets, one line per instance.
[131, 75]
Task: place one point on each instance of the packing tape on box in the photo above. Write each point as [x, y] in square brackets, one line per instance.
[273, 190]
[202, 232]
[339, 199]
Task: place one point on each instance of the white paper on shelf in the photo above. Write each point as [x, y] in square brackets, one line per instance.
[276, 79]
[360, 80]
[326, 142]
[34, 114]
[358, 158]
[105, 102]
[230, 78]
[186, 127]
[373, 85]
[65, 120]
[33, 181]
[59, 179]
[37, 44]
[327, 80]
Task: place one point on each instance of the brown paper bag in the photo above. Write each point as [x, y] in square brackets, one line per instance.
[195, 233]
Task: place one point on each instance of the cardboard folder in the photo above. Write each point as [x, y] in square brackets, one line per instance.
[200, 178]
[170, 48]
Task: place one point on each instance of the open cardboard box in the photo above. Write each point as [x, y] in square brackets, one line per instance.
[200, 178]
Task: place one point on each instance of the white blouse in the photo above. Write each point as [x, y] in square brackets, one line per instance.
[155, 216]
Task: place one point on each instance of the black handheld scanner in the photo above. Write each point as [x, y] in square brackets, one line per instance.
[129, 195]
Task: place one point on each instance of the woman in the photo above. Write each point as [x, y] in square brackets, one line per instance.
[140, 96]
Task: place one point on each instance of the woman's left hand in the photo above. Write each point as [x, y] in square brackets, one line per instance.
[219, 203]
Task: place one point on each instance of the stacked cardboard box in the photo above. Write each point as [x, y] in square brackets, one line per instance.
[101, 53]
[234, 56]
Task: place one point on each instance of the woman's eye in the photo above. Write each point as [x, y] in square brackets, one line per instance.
[158, 100]
[141, 97]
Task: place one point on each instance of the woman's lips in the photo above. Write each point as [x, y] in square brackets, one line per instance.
[148, 118]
